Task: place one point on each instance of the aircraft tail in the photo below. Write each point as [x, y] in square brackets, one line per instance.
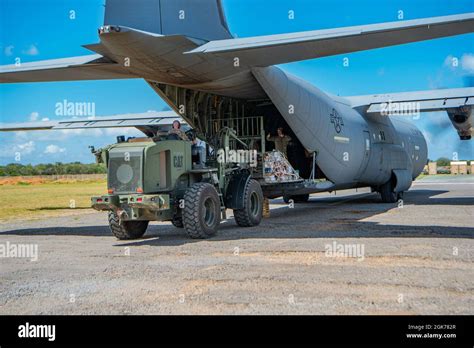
[200, 19]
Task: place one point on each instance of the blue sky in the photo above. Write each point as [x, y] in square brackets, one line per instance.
[36, 30]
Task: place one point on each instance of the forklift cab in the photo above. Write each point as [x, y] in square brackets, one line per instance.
[198, 148]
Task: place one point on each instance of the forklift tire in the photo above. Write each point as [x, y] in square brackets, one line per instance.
[126, 229]
[251, 214]
[296, 199]
[177, 221]
[202, 211]
[387, 194]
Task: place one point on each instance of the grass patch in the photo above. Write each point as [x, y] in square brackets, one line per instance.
[28, 201]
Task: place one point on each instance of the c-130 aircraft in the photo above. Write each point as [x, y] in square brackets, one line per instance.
[232, 94]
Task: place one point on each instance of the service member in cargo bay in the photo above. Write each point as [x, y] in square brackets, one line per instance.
[281, 141]
[176, 132]
[198, 147]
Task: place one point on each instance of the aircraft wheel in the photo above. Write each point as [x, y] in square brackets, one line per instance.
[251, 214]
[202, 211]
[126, 229]
[387, 194]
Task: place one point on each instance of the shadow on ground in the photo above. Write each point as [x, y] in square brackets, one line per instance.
[329, 217]
[59, 208]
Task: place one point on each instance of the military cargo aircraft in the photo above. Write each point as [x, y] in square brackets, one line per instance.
[229, 91]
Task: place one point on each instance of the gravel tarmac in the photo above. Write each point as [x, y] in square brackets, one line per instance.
[343, 253]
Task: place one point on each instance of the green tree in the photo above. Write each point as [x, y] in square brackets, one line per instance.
[16, 169]
[443, 162]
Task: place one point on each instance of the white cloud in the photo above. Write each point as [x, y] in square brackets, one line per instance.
[26, 148]
[31, 51]
[467, 62]
[93, 132]
[44, 119]
[36, 136]
[123, 131]
[9, 50]
[21, 135]
[54, 149]
[34, 116]
[72, 131]
[97, 132]
[58, 135]
[451, 62]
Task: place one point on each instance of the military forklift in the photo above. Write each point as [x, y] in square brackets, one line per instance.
[156, 178]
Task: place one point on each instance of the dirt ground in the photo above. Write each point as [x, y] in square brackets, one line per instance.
[415, 258]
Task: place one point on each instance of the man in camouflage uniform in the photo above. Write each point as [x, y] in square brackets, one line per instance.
[281, 141]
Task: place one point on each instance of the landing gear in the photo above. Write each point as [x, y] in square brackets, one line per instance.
[251, 213]
[124, 230]
[296, 199]
[202, 211]
[387, 194]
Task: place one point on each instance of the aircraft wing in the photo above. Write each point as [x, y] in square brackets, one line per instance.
[277, 49]
[433, 100]
[90, 67]
[147, 121]
[457, 102]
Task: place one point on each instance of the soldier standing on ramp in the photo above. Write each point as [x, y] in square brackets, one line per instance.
[281, 141]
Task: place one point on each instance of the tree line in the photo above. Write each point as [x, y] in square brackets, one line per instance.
[16, 169]
[58, 168]
[446, 162]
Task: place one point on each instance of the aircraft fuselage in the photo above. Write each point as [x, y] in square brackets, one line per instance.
[352, 150]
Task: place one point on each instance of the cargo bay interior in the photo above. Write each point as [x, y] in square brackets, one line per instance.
[209, 112]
